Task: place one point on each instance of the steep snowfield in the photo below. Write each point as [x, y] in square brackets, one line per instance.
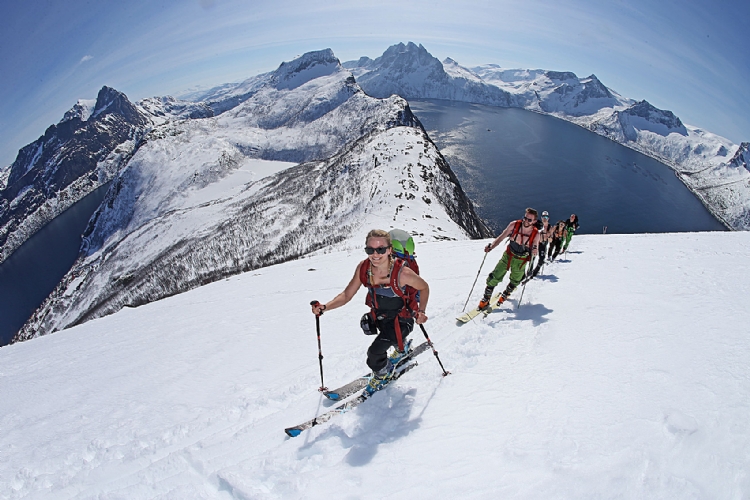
[624, 374]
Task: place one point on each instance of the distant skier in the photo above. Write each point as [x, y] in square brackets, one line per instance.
[397, 296]
[557, 236]
[571, 226]
[523, 245]
[545, 235]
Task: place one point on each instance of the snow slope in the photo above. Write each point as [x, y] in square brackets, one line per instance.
[624, 374]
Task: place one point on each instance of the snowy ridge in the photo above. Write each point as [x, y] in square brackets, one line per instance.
[90, 145]
[190, 208]
[699, 158]
[73, 158]
[611, 381]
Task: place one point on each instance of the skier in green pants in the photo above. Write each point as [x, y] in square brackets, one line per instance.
[523, 245]
[571, 225]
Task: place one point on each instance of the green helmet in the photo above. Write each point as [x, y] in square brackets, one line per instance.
[402, 242]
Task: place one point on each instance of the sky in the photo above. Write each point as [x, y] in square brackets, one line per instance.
[608, 382]
[689, 57]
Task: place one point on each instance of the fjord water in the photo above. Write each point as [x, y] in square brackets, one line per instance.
[508, 159]
[37, 266]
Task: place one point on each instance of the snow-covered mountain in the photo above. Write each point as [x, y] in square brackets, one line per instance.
[203, 199]
[623, 374]
[85, 150]
[412, 72]
[701, 159]
[74, 157]
[551, 92]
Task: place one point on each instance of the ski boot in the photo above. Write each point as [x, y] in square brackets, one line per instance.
[380, 379]
[396, 356]
[506, 293]
[486, 298]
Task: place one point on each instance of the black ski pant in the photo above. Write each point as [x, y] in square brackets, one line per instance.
[542, 255]
[555, 246]
[377, 356]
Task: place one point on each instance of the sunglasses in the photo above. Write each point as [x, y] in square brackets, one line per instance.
[529, 220]
[380, 250]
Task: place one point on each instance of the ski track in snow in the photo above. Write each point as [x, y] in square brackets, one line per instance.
[623, 374]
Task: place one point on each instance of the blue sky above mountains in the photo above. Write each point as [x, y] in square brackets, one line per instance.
[689, 57]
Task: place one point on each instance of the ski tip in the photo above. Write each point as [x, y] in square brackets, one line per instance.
[292, 432]
[333, 396]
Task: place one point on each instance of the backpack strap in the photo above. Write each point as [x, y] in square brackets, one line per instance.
[395, 275]
[364, 272]
[365, 277]
[534, 232]
[517, 230]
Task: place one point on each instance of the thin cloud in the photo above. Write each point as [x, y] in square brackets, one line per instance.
[85, 58]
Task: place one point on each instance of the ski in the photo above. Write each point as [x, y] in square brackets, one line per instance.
[492, 307]
[468, 316]
[342, 408]
[357, 384]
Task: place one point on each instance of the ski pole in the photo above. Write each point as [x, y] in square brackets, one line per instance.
[320, 350]
[524, 288]
[475, 282]
[429, 342]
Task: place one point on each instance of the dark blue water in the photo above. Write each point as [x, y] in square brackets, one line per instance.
[29, 275]
[509, 159]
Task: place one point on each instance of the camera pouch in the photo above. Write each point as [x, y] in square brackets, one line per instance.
[368, 324]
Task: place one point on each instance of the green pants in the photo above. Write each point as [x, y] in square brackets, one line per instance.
[568, 236]
[517, 270]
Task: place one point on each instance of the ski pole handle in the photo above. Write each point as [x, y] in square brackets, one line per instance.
[321, 307]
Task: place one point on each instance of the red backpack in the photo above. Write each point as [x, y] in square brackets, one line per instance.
[408, 294]
[516, 230]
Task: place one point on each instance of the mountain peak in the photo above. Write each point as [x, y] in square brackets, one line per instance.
[409, 55]
[110, 100]
[306, 67]
[742, 157]
[647, 111]
[561, 75]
